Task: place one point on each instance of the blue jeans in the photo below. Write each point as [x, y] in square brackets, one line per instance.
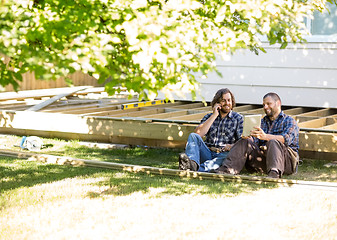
[197, 151]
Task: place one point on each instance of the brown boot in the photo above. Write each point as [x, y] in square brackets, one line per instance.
[185, 163]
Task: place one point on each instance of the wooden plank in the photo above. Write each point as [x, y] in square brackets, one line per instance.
[168, 115]
[117, 112]
[321, 123]
[80, 108]
[295, 111]
[190, 105]
[36, 93]
[143, 113]
[244, 108]
[253, 111]
[203, 109]
[65, 160]
[19, 106]
[54, 99]
[319, 113]
[77, 127]
[93, 125]
[92, 108]
[301, 119]
[191, 117]
[330, 126]
[315, 123]
[318, 141]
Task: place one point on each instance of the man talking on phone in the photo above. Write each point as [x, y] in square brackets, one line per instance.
[272, 147]
[220, 129]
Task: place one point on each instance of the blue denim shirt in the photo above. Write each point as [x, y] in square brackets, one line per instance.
[225, 130]
[283, 125]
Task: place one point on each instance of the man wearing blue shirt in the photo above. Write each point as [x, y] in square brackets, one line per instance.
[220, 129]
[273, 147]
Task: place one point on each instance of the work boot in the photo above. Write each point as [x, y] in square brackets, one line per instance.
[273, 174]
[185, 163]
[221, 170]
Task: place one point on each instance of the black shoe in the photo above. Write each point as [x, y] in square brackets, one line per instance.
[221, 170]
[273, 174]
[185, 163]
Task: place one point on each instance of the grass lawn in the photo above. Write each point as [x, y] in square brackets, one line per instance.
[46, 201]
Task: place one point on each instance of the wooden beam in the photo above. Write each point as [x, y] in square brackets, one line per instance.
[330, 126]
[245, 108]
[107, 128]
[318, 141]
[96, 107]
[301, 119]
[321, 123]
[295, 111]
[190, 105]
[319, 113]
[168, 115]
[64, 160]
[143, 113]
[191, 117]
[315, 123]
[254, 111]
[121, 112]
[54, 99]
[36, 93]
[203, 109]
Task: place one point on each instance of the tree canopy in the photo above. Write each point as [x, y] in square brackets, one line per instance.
[143, 45]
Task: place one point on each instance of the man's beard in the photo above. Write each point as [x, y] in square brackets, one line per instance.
[269, 113]
[224, 110]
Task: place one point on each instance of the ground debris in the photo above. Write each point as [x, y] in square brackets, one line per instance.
[331, 164]
[103, 145]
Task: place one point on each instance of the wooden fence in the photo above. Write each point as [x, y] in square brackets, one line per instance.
[30, 83]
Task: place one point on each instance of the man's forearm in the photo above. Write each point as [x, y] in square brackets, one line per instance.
[280, 138]
[203, 128]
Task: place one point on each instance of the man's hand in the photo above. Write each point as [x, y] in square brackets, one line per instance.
[227, 148]
[259, 133]
[216, 109]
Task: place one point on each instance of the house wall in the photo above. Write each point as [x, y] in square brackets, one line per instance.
[303, 75]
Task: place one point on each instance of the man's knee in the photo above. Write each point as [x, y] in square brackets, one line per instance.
[244, 141]
[193, 136]
[274, 142]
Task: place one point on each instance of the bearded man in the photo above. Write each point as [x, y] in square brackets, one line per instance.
[221, 129]
[272, 147]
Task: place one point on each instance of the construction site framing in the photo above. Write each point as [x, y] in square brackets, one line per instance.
[88, 114]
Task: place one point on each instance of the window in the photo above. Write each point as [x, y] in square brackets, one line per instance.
[324, 23]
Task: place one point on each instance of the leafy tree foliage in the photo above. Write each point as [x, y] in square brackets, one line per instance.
[143, 45]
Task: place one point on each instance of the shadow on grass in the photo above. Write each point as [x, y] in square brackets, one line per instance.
[18, 173]
[154, 157]
[125, 183]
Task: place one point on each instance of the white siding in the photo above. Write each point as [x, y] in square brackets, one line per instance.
[303, 75]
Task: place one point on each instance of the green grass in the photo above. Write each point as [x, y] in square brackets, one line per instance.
[18, 173]
[17, 176]
[27, 186]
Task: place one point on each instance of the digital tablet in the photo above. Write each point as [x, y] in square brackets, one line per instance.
[249, 122]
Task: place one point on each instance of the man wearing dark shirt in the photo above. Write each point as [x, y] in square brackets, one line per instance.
[221, 129]
[273, 147]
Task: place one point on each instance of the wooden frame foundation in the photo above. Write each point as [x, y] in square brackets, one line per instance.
[78, 116]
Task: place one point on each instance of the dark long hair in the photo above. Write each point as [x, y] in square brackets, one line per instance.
[218, 97]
